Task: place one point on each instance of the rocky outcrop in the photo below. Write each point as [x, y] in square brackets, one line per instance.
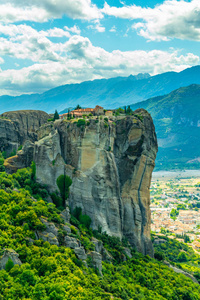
[71, 242]
[110, 164]
[9, 254]
[50, 234]
[18, 126]
[80, 253]
[96, 260]
[23, 158]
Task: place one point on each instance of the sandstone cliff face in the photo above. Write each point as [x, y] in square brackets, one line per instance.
[18, 126]
[110, 166]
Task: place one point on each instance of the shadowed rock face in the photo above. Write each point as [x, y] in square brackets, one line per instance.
[110, 167]
[18, 126]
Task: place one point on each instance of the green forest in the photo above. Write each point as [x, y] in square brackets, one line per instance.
[51, 272]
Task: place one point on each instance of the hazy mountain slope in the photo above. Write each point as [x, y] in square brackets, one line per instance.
[177, 120]
[111, 93]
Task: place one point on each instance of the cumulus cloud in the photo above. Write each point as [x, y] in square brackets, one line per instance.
[42, 11]
[76, 60]
[24, 42]
[171, 19]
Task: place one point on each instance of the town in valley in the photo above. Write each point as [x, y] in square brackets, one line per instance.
[175, 208]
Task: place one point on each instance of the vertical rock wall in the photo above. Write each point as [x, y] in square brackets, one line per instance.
[110, 164]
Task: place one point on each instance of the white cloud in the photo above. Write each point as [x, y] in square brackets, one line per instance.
[113, 29]
[75, 29]
[56, 32]
[24, 42]
[171, 19]
[42, 11]
[97, 26]
[77, 60]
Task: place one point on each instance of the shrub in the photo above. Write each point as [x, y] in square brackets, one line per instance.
[182, 257]
[19, 148]
[4, 154]
[2, 168]
[141, 118]
[58, 201]
[81, 122]
[82, 219]
[159, 255]
[9, 265]
[85, 221]
[77, 212]
[13, 153]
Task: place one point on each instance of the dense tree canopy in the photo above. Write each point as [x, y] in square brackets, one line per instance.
[51, 272]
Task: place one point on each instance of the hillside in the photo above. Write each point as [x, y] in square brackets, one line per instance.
[36, 266]
[177, 123]
[109, 93]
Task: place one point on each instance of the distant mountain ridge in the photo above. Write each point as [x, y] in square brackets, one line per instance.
[109, 93]
[177, 121]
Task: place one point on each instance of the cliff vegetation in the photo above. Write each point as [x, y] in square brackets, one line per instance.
[32, 268]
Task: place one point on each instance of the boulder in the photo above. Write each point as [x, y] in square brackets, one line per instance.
[9, 253]
[71, 242]
[106, 256]
[50, 227]
[98, 244]
[48, 237]
[96, 260]
[80, 253]
[65, 215]
[67, 229]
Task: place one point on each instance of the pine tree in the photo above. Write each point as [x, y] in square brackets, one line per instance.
[129, 110]
[56, 115]
[63, 182]
[78, 107]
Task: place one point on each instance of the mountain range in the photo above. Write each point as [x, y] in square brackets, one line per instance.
[109, 93]
[177, 121]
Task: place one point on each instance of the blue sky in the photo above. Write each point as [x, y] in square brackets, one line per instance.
[47, 43]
